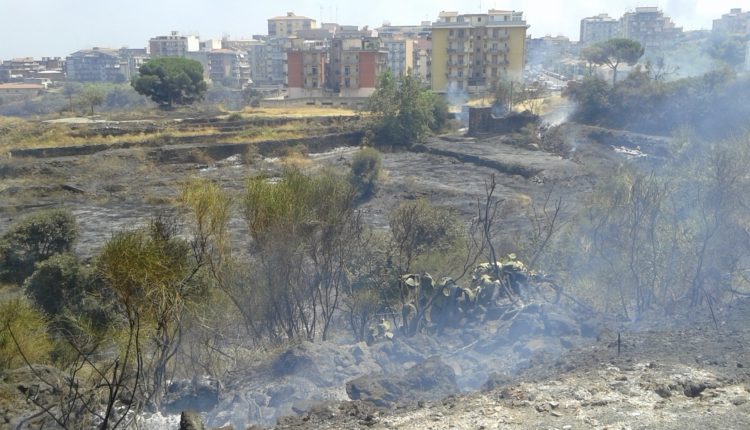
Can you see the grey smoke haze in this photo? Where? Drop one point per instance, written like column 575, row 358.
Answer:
column 59, row 27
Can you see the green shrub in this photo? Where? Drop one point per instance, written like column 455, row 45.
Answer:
column 56, row 284
column 33, row 239
column 366, row 167
column 20, row 321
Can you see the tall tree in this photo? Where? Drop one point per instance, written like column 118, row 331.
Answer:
column 405, row 109
column 171, row 81
column 92, row 96
column 614, row 52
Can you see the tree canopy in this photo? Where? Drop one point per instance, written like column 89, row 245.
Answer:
column 614, row 52
column 171, row 81
column 406, row 111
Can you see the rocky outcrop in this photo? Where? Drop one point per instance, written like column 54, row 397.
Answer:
column 430, row 380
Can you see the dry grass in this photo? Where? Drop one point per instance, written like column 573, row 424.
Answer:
column 298, row 111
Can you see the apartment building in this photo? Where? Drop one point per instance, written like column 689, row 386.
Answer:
column 400, row 55
column 307, row 68
column 599, row 28
column 471, row 51
column 25, row 68
column 412, row 31
column 173, row 45
column 95, row 65
column 356, row 63
column 650, row 27
column 423, row 59
column 131, row 61
column 289, row 24
column 735, row 22
column 229, row 67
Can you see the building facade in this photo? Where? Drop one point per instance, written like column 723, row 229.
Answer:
column 307, row 68
column 357, row 61
column 650, row 27
column 289, row 24
column 599, row 28
column 423, row 59
column 173, row 45
column 400, row 55
column 229, row 67
column 95, row 65
column 471, row 51
column 735, row 22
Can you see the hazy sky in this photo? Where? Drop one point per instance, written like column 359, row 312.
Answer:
column 59, row 27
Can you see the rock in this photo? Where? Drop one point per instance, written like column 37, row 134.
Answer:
column 191, row 421
column 296, row 360
column 430, row 380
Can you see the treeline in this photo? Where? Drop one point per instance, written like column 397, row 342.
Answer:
column 713, row 105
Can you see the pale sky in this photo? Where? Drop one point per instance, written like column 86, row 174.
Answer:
column 59, row 27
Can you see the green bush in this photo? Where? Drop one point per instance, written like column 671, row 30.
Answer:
column 366, row 167
column 20, row 321
column 56, row 284
column 34, row 239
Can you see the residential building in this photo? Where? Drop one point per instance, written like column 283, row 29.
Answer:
column 95, row 65
column 275, row 60
column 173, row 45
column 356, row 63
column 258, row 59
column 423, row 59
column 307, row 66
column 210, row 45
column 734, row 22
column 23, row 69
column 19, row 91
column 229, row 67
column 471, row 51
column 400, row 55
column 599, row 29
column 131, row 61
column 548, row 50
column 650, row 27
column 412, row 31
column 288, row 25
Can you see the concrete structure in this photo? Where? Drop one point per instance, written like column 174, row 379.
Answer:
column 173, row 45
column 288, row 25
column 734, row 22
column 471, row 51
column 548, row 51
column 411, row 31
column 210, row 45
column 19, row 91
column 275, row 52
column 131, row 61
column 423, row 59
column 599, row 29
column 25, row 68
column 95, row 65
column 306, row 68
column 650, row 27
column 229, row 67
column 400, row 55
column 356, row 63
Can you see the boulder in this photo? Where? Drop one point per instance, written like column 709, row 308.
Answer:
column 430, row 380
